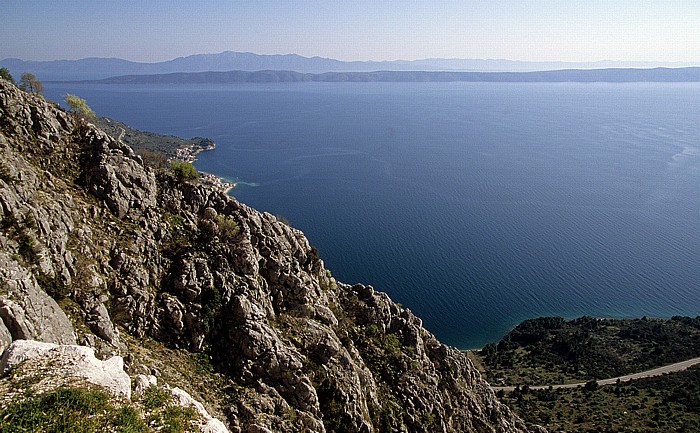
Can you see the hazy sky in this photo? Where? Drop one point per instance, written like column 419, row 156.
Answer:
column 149, row 30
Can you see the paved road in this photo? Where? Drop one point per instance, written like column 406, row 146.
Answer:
column 679, row 366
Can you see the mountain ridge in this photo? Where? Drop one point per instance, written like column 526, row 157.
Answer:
column 92, row 68
column 612, row 75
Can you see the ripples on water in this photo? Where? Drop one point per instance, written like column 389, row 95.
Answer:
column 477, row 205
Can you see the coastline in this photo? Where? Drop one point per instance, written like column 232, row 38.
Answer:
column 169, row 147
column 188, row 153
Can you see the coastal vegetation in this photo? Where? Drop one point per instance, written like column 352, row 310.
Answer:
column 665, row 403
column 155, row 149
column 551, row 350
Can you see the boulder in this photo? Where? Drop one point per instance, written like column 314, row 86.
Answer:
column 101, row 325
column 142, row 382
column 68, row 361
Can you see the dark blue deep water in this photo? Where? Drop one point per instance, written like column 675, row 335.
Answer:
column 477, row 205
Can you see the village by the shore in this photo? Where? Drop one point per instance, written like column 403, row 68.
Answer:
column 188, row 153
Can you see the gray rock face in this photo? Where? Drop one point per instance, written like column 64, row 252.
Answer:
column 27, row 311
column 5, row 337
column 125, row 247
column 99, row 322
column 116, row 175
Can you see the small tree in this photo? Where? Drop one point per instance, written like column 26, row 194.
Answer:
column 153, row 158
column 5, row 75
column 29, row 83
column 79, row 107
column 184, row 170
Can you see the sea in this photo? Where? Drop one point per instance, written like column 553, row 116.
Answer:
column 475, row 205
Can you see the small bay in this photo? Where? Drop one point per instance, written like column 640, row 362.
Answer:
column 476, row 205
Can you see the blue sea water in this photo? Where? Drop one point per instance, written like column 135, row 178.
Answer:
column 476, row 205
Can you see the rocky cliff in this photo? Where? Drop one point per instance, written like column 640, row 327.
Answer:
column 226, row 302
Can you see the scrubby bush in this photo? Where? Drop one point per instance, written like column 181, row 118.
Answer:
column 228, row 228
column 184, row 170
column 79, row 107
column 153, row 158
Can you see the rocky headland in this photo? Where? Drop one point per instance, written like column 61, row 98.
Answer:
column 172, row 282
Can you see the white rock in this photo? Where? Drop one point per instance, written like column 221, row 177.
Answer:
column 142, row 382
column 182, row 398
column 70, row 361
column 212, row 425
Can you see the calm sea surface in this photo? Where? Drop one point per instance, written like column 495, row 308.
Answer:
column 477, row 205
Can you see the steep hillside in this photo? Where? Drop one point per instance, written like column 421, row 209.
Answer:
column 214, row 297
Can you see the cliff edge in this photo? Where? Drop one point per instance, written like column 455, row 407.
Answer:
column 183, row 281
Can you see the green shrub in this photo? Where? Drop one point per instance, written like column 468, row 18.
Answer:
column 176, row 419
column 52, row 285
column 184, row 170
column 177, row 221
column 79, row 107
column 18, row 230
column 164, row 415
column 228, row 228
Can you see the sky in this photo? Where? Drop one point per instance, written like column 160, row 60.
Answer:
column 530, row 30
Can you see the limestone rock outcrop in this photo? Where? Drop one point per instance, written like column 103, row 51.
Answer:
column 68, row 361
column 130, row 251
column 47, row 366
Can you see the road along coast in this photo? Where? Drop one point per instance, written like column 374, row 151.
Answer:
column 671, row 368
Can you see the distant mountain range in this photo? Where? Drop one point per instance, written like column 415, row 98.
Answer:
column 617, row 75
column 99, row 68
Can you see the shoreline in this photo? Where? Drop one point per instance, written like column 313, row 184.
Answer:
column 189, row 152
column 170, row 147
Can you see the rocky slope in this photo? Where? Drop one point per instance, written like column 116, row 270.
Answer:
column 100, row 250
